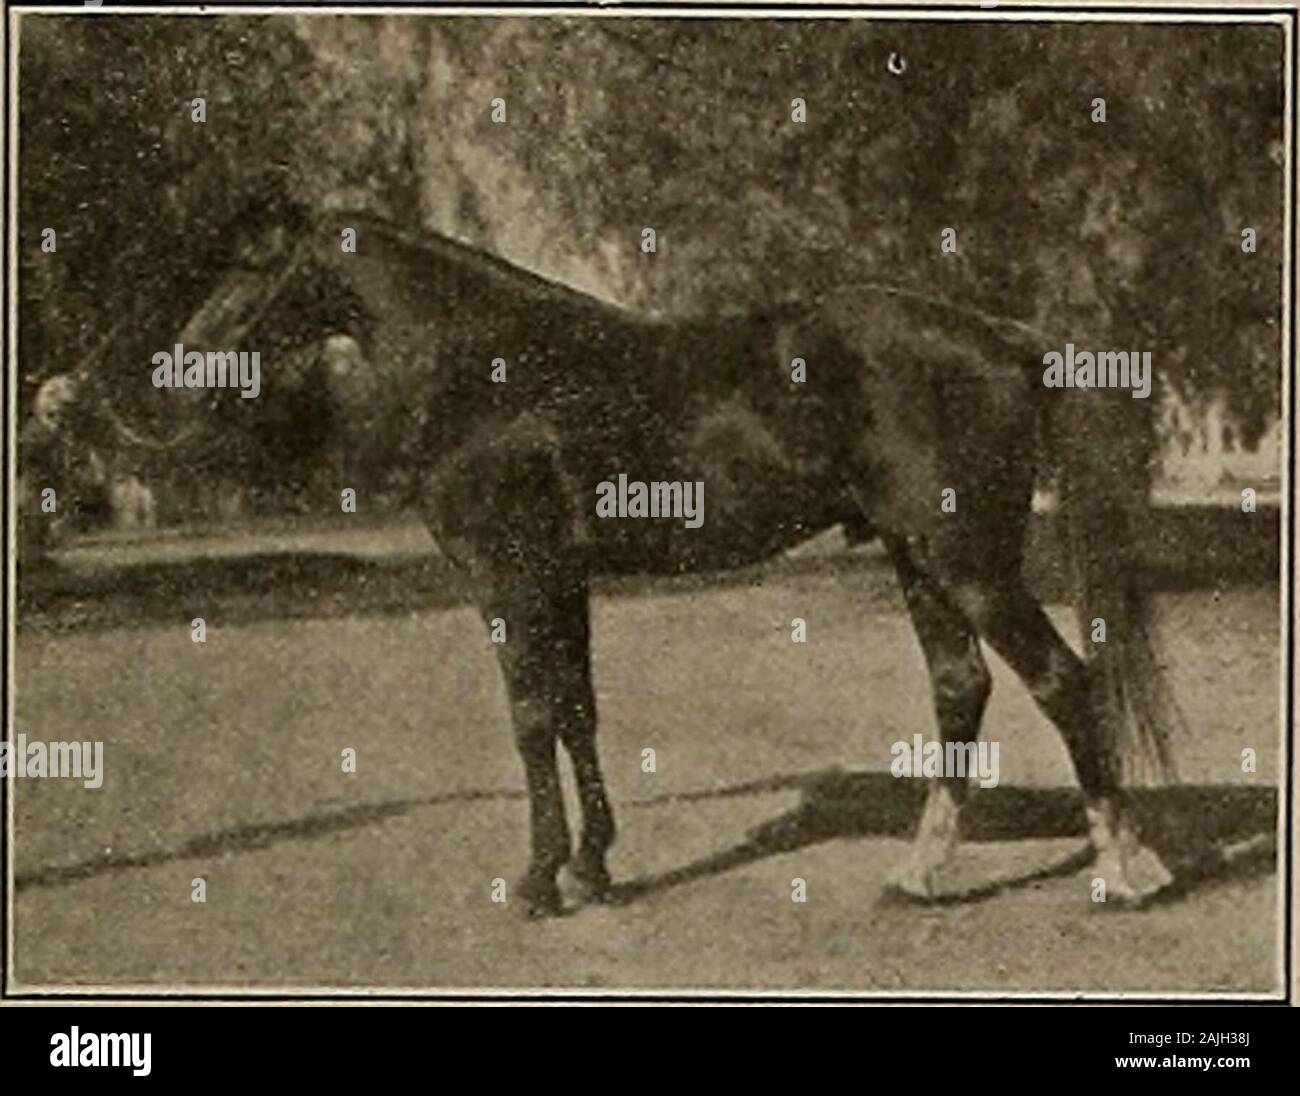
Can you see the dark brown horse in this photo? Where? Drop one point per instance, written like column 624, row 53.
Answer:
column 914, row 421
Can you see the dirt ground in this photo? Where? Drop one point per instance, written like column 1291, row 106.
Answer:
column 223, row 763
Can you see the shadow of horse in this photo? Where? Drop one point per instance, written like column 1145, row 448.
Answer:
column 1207, row 834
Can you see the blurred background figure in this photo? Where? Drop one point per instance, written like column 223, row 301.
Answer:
column 66, row 485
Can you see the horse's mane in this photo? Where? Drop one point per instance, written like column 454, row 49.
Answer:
column 436, row 247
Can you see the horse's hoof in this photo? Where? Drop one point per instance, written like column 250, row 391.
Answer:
column 1125, row 898
column 591, row 883
column 1132, row 881
column 540, row 897
column 915, row 883
column 1124, row 903
column 895, row 895
column 911, row 888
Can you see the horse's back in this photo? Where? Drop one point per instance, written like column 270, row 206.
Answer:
column 715, row 444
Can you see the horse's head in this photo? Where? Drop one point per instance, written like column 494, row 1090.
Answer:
column 278, row 291
column 293, row 283
column 282, row 291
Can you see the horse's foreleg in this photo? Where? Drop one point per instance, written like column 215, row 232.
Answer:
column 576, row 721
column 531, row 686
column 546, row 659
column 961, row 684
column 500, row 512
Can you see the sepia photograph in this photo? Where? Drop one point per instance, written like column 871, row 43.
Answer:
column 648, row 503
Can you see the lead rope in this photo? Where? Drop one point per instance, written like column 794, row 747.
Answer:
column 85, row 374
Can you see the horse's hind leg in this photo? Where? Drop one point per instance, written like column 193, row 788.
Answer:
column 1016, row 626
column 960, row 682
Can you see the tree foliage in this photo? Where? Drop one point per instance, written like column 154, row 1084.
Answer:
column 1129, row 228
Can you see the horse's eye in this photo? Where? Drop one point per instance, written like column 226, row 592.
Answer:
column 897, row 64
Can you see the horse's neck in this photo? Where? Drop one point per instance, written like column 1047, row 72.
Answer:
column 393, row 291
column 396, row 275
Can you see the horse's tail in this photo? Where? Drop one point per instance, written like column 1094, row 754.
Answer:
column 1105, row 439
